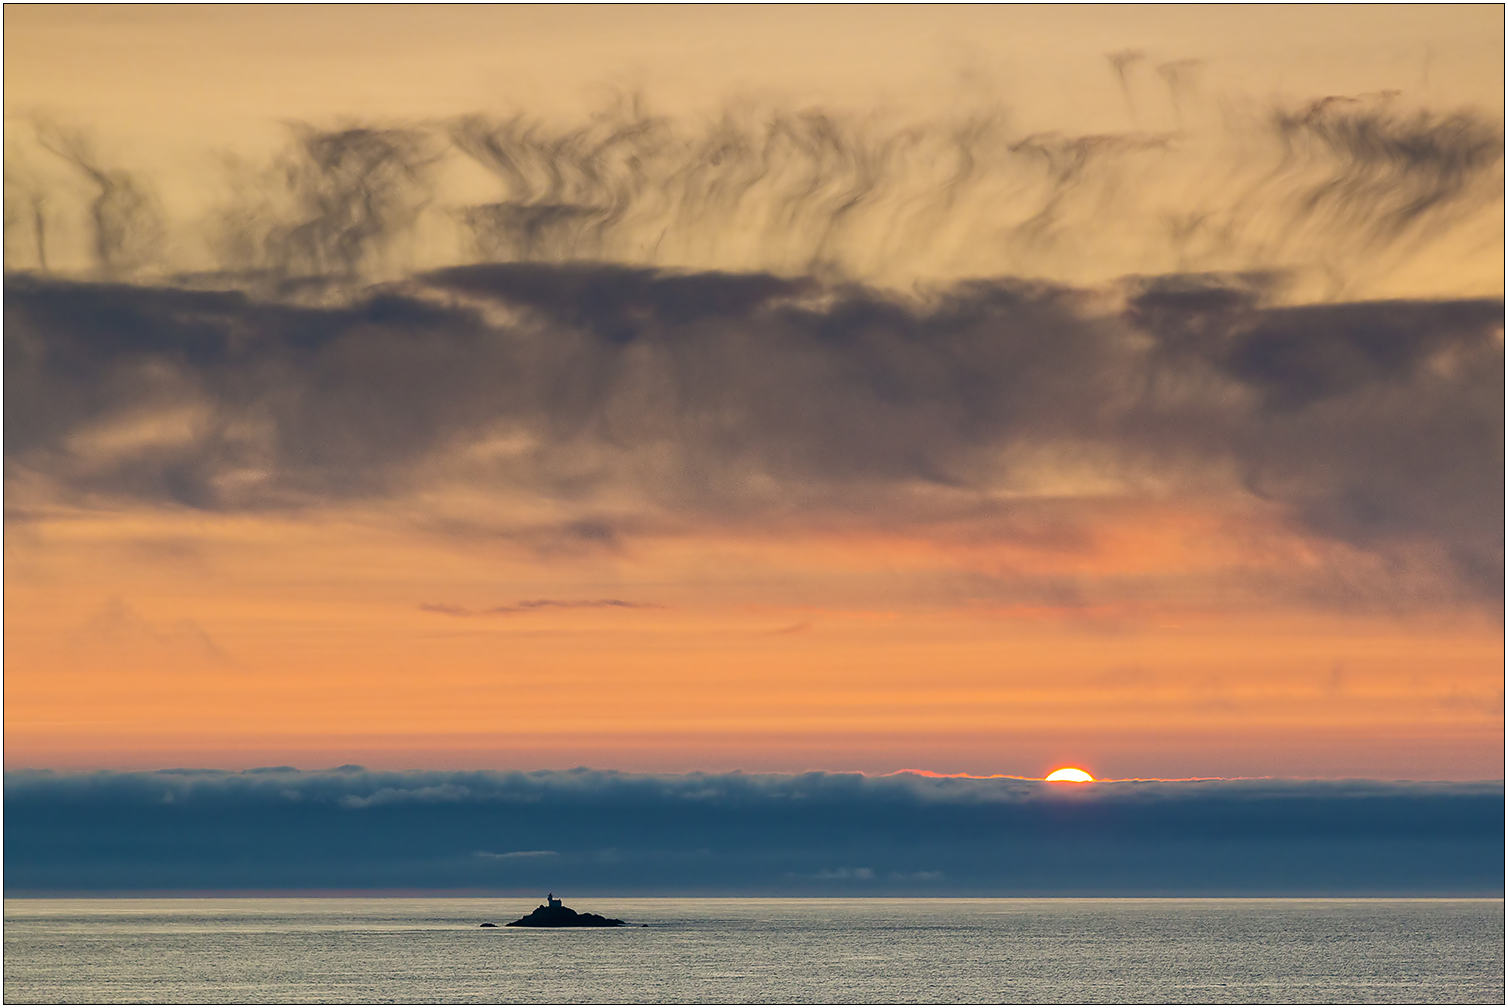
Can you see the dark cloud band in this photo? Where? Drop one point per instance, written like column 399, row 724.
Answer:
column 635, row 400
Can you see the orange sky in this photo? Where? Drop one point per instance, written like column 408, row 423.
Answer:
column 234, row 639
column 1078, row 613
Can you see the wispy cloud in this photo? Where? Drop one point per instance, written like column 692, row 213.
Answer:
column 1363, row 184
column 533, row 605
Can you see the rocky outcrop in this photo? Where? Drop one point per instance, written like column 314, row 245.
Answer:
column 555, row 915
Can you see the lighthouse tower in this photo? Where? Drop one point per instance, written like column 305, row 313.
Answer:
column 551, row 900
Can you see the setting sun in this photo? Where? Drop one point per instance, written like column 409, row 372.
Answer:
column 1069, row 774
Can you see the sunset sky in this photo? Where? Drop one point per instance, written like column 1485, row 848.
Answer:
column 970, row 389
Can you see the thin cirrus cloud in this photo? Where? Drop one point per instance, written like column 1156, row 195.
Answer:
column 817, row 833
column 1366, row 183
column 535, row 605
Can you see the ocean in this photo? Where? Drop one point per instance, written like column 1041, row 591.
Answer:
column 431, row 950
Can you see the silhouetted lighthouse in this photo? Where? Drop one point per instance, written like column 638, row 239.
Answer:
column 551, row 900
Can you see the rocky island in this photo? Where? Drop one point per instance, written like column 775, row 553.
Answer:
column 554, row 914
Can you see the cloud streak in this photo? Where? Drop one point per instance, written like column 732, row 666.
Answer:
column 534, row 605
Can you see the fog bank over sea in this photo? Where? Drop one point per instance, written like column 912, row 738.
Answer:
column 829, row 834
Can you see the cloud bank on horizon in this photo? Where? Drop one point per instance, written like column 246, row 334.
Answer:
column 815, row 834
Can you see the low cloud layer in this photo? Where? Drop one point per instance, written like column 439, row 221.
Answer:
column 816, row 833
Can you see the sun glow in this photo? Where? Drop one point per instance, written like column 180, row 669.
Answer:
column 1069, row 774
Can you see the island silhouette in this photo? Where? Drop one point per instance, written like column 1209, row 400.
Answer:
column 552, row 913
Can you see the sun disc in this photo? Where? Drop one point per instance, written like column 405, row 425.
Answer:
column 1069, row 774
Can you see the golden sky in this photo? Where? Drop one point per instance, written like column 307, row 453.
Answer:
column 1008, row 414
column 171, row 72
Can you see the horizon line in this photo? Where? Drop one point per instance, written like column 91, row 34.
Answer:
column 914, row 771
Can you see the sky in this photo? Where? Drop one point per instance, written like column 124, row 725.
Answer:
column 970, row 389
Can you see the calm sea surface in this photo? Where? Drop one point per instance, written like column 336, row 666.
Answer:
column 755, row 950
